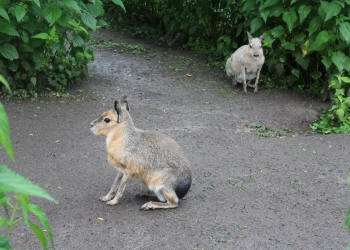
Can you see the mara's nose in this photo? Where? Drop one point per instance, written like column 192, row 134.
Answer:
column 91, row 125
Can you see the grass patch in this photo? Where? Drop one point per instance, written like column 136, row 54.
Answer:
column 263, row 131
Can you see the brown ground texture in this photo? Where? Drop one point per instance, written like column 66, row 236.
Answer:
column 248, row 192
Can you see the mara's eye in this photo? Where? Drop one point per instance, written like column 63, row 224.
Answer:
column 107, row 120
column 250, row 46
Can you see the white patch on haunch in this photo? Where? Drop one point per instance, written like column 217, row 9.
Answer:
column 155, row 190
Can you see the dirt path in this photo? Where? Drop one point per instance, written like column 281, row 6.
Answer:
column 248, row 192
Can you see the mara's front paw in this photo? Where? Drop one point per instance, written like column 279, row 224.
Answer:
column 105, row 198
column 112, row 202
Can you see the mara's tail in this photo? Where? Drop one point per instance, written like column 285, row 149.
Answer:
column 182, row 188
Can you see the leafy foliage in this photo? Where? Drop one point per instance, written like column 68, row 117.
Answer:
column 42, row 43
column 263, row 131
column 12, row 182
column 337, row 118
column 306, row 42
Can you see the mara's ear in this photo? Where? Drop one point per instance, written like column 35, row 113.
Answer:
column 249, row 36
column 262, row 36
column 124, row 102
column 118, row 112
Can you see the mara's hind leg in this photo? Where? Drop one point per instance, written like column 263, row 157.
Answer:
column 234, row 83
column 165, row 194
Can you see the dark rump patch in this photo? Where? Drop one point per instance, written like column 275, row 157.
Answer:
column 182, row 188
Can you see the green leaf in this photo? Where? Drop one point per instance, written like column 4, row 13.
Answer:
column 293, row 1
column 316, row 75
column 79, row 55
column 24, row 200
column 4, row 244
column 314, row 25
column 279, row 68
column 38, row 59
column 295, row 72
column 303, row 12
column 322, row 38
column 345, row 79
column 3, row 81
column 24, row 36
column 8, row 29
column 278, row 31
column 40, row 215
column 89, row 20
column 37, row 11
column 25, row 48
column 327, row 61
column 10, row 181
column 290, row 17
column 255, row 24
column 3, row 201
column 4, row 2
column 345, row 31
column 95, row 10
column 37, row 2
column 339, row 58
column 52, row 13
column 72, row 5
column 268, row 39
column 20, row 12
column 33, row 80
column 269, row 3
column 44, row 36
column 119, row 3
column 9, row 51
column 289, row 45
column 264, row 13
column 4, row 14
column 340, row 113
column 2, row 222
column 39, row 234
column 331, row 9
column 248, row 5
column 302, row 61
column 78, row 41
column 298, row 38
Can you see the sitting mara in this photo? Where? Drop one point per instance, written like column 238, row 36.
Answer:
column 154, row 158
column 246, row 62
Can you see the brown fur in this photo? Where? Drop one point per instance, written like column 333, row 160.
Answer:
column 154, row 158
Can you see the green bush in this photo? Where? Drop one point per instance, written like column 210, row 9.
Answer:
column 12, row 182
column 43, row 43
column 337, row 118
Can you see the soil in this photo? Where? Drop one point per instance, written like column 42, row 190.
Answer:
column 248, row 192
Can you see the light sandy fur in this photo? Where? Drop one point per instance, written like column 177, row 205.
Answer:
column 246, row 62
column 152, row 157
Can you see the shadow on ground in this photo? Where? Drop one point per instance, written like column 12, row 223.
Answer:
column 248, row 192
